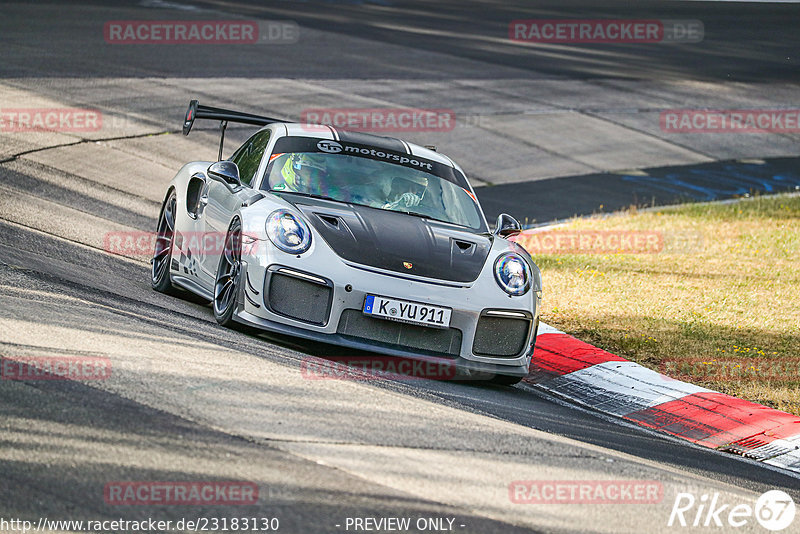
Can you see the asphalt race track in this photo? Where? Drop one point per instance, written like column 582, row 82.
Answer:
column 544, row 131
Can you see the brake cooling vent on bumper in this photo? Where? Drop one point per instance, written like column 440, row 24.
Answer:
column 403, row 336
column 299, row 296
column 501, row 334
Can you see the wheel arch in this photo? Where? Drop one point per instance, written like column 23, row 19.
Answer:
column 171, row 189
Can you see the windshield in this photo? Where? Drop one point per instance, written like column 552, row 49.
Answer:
column 374, row 183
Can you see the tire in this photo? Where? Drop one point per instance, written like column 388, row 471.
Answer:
column 226, row 283
column 162, row 254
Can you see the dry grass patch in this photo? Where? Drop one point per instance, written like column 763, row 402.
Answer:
column 724, row 290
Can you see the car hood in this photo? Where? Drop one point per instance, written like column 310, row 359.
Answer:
column 396, row 241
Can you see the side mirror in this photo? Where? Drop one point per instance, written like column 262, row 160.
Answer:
column 226, row 172
column 507, row 226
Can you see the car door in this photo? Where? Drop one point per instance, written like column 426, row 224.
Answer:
column 222, row 201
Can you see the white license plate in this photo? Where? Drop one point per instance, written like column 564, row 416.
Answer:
column 407, row 312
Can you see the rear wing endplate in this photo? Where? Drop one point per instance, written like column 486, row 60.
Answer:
column 198, row 111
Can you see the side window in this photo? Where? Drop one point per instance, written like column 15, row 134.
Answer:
column 248, row 157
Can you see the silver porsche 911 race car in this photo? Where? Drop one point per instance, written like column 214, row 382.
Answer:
column 348, row 238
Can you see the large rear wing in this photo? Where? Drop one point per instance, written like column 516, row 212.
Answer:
column 224, row 116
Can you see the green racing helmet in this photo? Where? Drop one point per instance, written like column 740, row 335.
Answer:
column 303, row 171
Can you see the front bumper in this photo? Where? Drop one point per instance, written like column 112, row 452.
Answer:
column 348, row 285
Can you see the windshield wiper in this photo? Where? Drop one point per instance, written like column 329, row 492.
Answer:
column 416, row 214
column 423, row 216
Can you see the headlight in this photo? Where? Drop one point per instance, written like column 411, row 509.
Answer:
column 513, row 274
column 287, row 232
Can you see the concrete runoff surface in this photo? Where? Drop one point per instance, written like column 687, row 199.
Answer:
column 522, row 112
column 188, row 400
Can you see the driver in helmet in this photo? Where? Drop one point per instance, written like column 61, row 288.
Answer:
column 406, row 192
column 304, row 173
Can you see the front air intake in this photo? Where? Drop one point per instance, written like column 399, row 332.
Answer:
column 441, row 342
column 299, row 296
column 501, row 334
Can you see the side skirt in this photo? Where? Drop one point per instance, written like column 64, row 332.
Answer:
column 191, row 285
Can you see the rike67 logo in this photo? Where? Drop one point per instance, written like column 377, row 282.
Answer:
column 774, row 510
